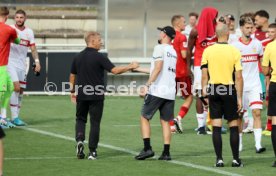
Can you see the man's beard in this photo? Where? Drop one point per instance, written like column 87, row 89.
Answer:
column 20, row 25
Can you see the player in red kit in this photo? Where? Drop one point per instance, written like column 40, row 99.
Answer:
column 183, row 80
column 202, row 36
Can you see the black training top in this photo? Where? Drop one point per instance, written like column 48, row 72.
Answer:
column 89, row 66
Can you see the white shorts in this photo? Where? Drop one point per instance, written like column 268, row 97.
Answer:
column 197, row 79
column 253, row 99
column 18, row 75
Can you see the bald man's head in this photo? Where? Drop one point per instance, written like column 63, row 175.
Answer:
column 222, row 30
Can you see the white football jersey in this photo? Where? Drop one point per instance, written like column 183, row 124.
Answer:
column 18, row 53
column 251, row 54
column 164, row 85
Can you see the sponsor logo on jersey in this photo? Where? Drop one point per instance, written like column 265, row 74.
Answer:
column 250, row 58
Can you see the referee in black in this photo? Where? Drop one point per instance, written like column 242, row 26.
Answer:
column 219, row 62
column 87, row 89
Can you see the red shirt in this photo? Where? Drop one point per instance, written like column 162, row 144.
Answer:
column 7, row 36
column 180, row 44
column 200, row 47
column 262, row 36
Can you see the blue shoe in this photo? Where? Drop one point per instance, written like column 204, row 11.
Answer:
column 7, row 123
column 18, row 122
column 4, row 127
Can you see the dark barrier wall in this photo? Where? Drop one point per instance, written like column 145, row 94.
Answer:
column 36, row 83
column 55, row 68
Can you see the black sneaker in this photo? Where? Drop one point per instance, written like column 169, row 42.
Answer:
column 80, row 149
column 201, row 131
column 219, row 163
column 237, row 163
column 274, row 164
column 165, row 156
column 261, row 150
column 144, row 154
column 92, row 155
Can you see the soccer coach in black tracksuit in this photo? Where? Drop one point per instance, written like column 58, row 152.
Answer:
column 87, row 83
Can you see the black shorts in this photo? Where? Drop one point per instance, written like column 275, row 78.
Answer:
column 223, row 104
column 153, row 103
column 272, row 99
column 2, row 134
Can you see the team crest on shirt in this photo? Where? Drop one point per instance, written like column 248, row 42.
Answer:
column 254, row 50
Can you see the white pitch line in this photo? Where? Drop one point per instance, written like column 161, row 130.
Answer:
column 39, row 158
column 205, row 168
column 152, row 125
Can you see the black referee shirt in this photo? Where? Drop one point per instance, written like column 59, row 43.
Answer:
column 89, row 66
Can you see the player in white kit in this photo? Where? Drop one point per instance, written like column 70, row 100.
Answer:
column 251, row 51
column 17, row 65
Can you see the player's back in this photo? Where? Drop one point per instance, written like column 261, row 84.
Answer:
column 251, row 53
column 7, row 35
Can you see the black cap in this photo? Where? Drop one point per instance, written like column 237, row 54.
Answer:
column 230, row 17
column 168, row 30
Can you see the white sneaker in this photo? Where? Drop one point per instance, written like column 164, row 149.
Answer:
column 178, row 125
column 248, row 130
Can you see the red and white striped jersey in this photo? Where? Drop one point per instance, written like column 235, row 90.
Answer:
column 18, row 53
column 251, row 54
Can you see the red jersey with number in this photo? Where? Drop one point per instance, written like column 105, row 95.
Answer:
column 200, row 47
column 7, row 35
column 180, row 44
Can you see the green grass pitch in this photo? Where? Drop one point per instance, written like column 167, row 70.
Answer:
column 47, row 146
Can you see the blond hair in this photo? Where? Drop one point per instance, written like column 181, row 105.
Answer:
column 90, row 35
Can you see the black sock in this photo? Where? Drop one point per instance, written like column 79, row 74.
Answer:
column 166, row 149
column 235, row 141
column 217, row 142
column 147, row 144
column 273, row 138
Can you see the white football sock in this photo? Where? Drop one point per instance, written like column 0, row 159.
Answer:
column 201, row 120
column 258, row 137
column 14, row 104
column 3, row 112
column 240, row 145
column 20, row 97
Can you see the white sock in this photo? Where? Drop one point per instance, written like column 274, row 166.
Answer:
column 178, row 118
column 14, row 104
column 4, row 113
column 258, row 137
column 201, row 120
column 240, row 145
column 20, row 97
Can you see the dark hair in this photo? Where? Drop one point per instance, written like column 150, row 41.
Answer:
column 272, row 25
column 20, row 11
column 176, row 17
column 262, row 13
column 193, row 14
column 245, row 20
column 4, row 11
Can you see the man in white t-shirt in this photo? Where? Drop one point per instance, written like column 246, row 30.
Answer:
column 251, row 51
column 159, row 93
column 17, row 66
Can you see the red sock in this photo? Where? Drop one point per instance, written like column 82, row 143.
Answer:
column 183, row 111
column 171, row 123
column 269, row 125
